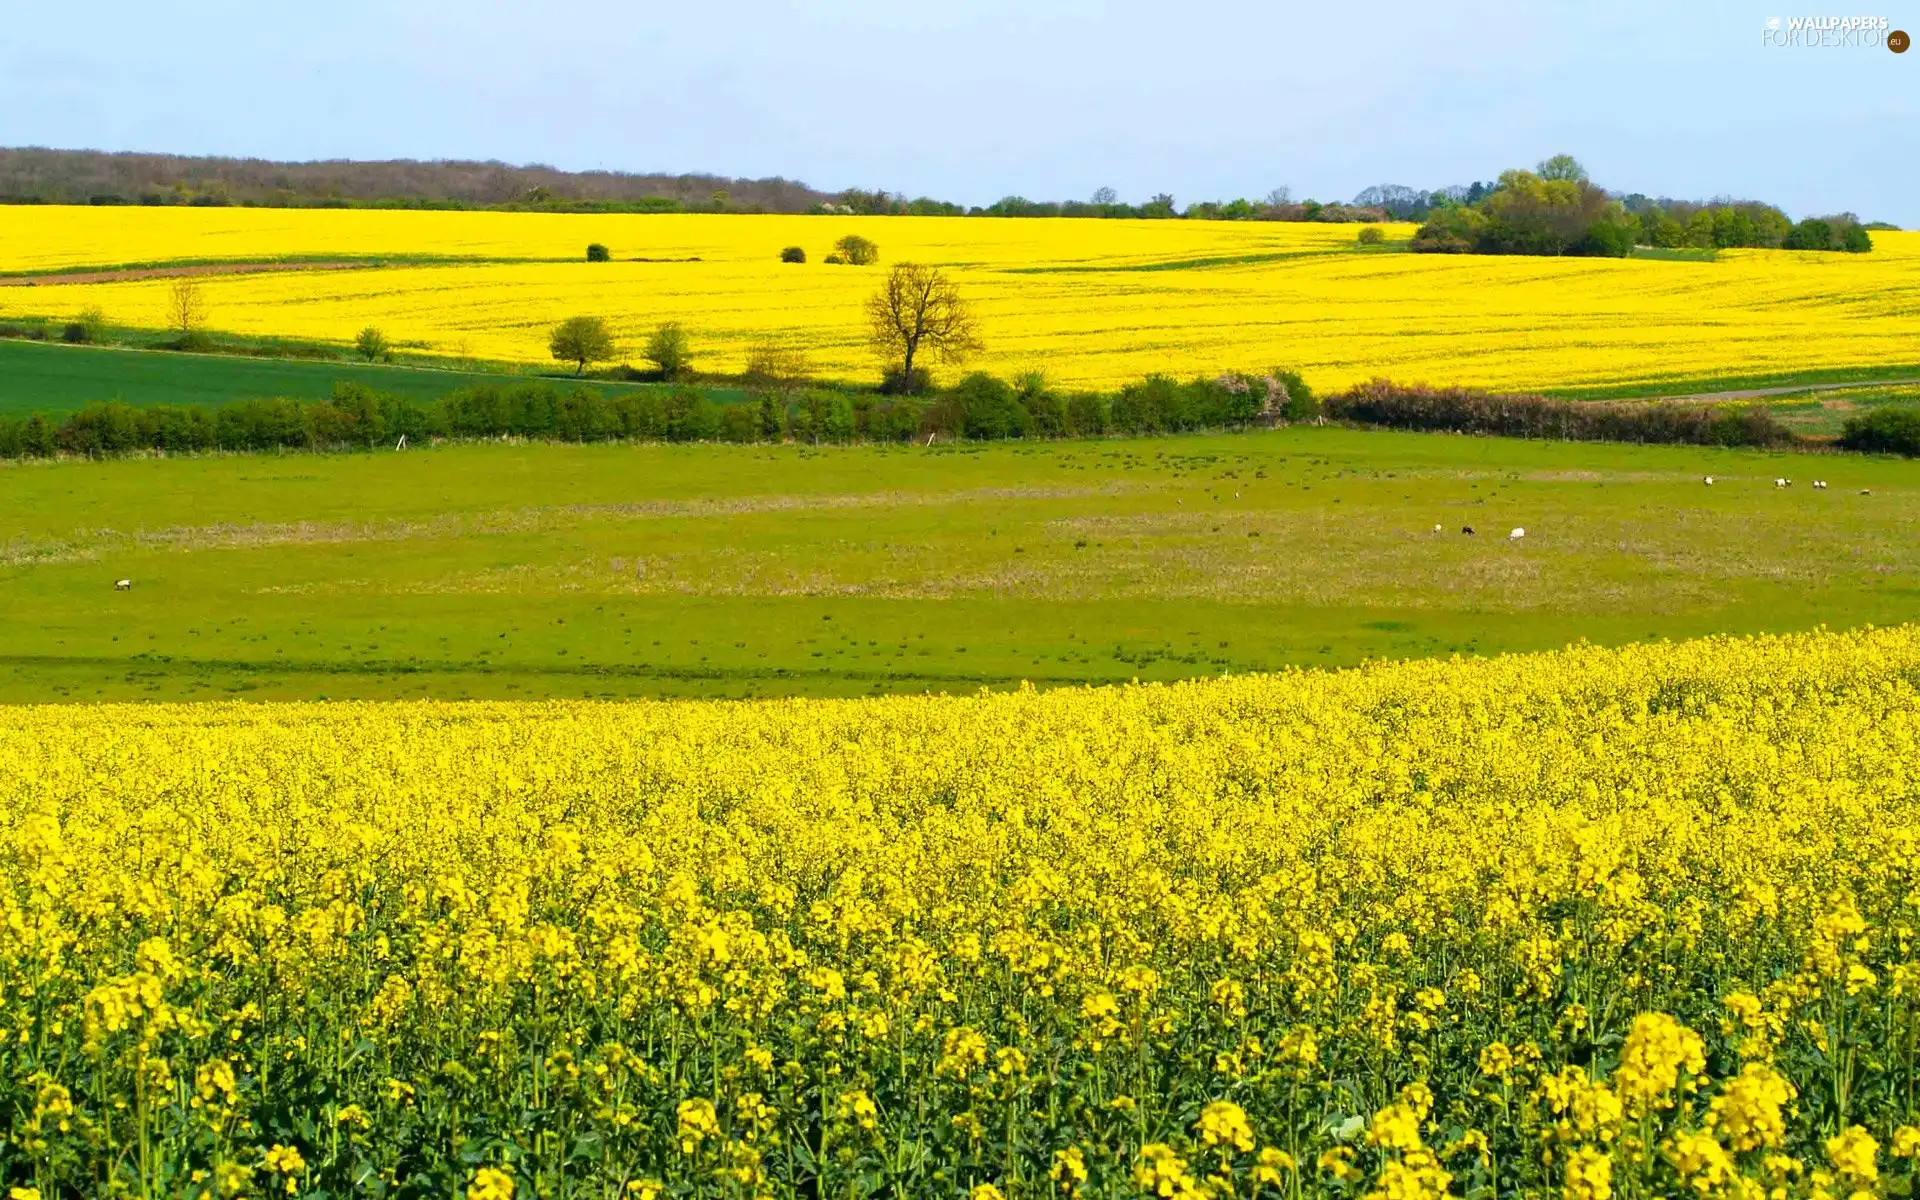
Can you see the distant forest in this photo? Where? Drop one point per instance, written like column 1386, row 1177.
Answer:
column 39, row 176
column 1451, row 216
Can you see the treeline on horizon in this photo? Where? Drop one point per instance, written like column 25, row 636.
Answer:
column 979, row 408
column 1556, row 209
column 42, row 176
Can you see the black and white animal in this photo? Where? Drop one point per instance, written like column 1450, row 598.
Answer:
column 123, row 585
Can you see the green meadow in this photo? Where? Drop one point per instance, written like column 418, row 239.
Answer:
column 519, row 570
column 56, row 379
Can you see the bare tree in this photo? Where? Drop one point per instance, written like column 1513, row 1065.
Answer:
column 186, row 306
column 1106, row 196
column 1280, row 197
column 920, row 307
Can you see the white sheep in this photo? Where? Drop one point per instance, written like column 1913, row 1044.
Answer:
column 1436, row 528
column 123, row 585
column 1779, row 483
column 1820, row 483
column 1709, row 481
column 1517, row 534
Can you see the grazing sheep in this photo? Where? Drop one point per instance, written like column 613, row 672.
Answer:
column 1820, row 483
column 1436, row 528
column 1779, row 483
column 1709, row 481
column 123, row 585
column 1517, row 534
column 1467, row 529
column 1865, row 492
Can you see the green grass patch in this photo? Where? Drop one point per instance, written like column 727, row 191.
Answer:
column 1676, row 253
column 1708, row 384
column 498, row 570
column 53, row 378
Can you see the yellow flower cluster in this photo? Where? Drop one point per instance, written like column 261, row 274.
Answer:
column 1635, row 922
column 1095, row 303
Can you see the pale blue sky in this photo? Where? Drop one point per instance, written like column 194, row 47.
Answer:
column 974, row 99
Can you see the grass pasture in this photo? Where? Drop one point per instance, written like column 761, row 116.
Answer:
column 54, row 379
column 509, row 570
column 1824, row 413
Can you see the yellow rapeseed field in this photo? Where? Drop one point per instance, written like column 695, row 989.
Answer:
column 1093, row 303
column 1597, row 923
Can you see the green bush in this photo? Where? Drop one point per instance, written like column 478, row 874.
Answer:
column 740, row 423
column 1605, row 239
column 1372, row 235
column 1087, row 414
column 822, row 416
column 690, row 416
column 1884, row 431
column 857, row 251
column 793, row 254
column 1450, row 229
column 1046, row 411
column 900, row 419
column 895, row 383
column 372, row 345
column 670, row 350
column 1301, row 404
column 988, row 409
column 598, row 253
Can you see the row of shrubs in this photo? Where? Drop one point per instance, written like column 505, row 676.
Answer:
column 979, row 407
column 1886, row 430
column 1469, row 410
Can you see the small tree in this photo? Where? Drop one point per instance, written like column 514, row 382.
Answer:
column 94, row 321
column 1371, row 235
column 372, row 344
column 581, row 340
column 857, row 250
column 186, row 308
column 919, row 307
column 793, row 254
column 670, row 350
column 598, row 253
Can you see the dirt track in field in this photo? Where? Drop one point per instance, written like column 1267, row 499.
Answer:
column 242, row 268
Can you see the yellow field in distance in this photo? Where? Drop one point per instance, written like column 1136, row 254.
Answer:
column 1092, row 303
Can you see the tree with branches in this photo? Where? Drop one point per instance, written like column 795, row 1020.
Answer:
column 186, row 307
column 581, row 340
column 919, row 308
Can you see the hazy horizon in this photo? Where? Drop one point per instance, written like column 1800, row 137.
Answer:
column 992, row 98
